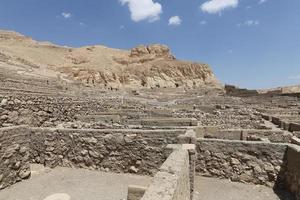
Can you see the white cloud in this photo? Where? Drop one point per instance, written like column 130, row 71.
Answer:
column 262, row 1
column 175, row 21
column 143, row 10
column 249, row 23
column 66, row 15
column 216, row 6
column 203, row 22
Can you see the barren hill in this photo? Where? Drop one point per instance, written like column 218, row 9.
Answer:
column 99, row 66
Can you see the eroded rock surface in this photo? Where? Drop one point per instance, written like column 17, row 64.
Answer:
column 98, row 66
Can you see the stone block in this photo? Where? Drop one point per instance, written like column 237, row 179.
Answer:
column 266, row 117
column 293, row 169
column 294, row 127
column 172, row 182
column 275, row 120
column 135, row 192
column 183, row 139
column 295, row 140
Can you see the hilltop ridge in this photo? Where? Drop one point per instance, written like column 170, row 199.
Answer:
column 102, row 67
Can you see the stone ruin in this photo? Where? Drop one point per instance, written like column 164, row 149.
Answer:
column 138, row 125
column 253, row 139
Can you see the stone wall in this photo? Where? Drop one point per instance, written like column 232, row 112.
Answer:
column 251, row 162
column 271, row 135
column 293, row 170
column 294, row 127
column 14, row 155
column 286, row 122
column 247, row 135
column 230, row 134
column 172, row 181
column 39, row 111
column 49, row 111
column 235, row 91
column 167, row 121
column 125, row 151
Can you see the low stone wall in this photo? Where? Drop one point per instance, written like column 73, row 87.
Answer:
column 297, row 134
column 49, row 111
column 126, row 151
column 248, row 135
column 235, row 91
column 287, row 122
column 14, row 155
column 251, row 162
column 224, row 134
column 165, row 122
column 266, row 117
column 276, row 120
column 271, row 135
column 279, row 111
column 172, row 181
column 96, row 118
column 294, row 127
column 293, row 170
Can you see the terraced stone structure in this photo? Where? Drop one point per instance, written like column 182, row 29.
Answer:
column 134, row 136
column 75, row 139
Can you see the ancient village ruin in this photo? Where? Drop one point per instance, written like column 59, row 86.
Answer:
column 158, row 130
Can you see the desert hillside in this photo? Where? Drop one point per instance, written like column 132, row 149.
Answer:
column 99, row 66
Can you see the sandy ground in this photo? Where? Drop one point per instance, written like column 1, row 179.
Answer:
column 73, row 184
column 216, row 189
column 81, row 184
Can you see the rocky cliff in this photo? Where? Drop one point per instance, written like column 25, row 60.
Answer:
column 99, row 66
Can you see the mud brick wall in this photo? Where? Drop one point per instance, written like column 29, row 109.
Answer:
column 293, row 170
column 14, row 155
column 240, row 161
column 124, row 151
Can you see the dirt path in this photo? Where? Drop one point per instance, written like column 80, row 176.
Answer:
column 216, row 189
column 73, row 184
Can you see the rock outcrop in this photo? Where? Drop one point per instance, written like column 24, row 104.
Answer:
column 141, row 67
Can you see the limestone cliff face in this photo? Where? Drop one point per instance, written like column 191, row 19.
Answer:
column 99, row 66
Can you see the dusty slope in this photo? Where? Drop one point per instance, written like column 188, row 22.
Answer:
column 144, row 66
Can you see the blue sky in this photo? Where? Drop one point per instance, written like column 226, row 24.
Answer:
column 249, row 43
